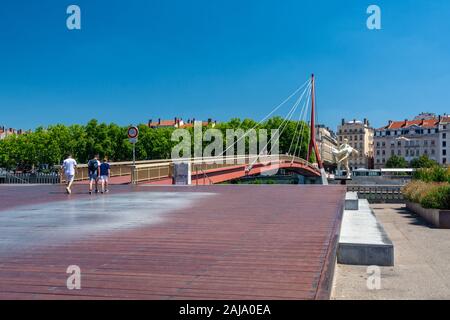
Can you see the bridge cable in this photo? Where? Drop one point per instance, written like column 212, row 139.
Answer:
column 303, row 127
column 300, row 120
column 284, row 124
column 268, row 115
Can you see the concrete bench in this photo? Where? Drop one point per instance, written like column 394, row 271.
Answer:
column 351, row 201
column 363, row 240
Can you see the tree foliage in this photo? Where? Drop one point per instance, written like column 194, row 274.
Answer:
column 50, row 145
column 423, row 162
column 397, row 162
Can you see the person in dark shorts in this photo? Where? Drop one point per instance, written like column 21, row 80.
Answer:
column 105, row 173
column 94, row 173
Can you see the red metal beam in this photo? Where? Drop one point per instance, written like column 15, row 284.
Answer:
column 312, row 138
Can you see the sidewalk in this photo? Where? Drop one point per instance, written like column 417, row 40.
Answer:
column 422, row 261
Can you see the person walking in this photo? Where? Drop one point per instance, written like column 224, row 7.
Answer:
column 94, row 173
column 68, row 166
column 105, row 173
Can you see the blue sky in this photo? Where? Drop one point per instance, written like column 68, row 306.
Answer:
column 135, row 60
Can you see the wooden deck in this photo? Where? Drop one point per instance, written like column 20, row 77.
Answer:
column 206, row 242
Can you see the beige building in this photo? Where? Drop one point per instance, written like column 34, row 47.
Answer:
column 360, row 137
column 4, row 132
column 326, row 140
column 179, row 123
column 444, row 136
column 426, row 135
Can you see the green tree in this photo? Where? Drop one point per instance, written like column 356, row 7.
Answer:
column 51, row 145
column 423, row 162
column 396, row 162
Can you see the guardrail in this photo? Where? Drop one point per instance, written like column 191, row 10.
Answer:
column 29, row 178
column 164, row 170
column 378, row 193
column 150, row 170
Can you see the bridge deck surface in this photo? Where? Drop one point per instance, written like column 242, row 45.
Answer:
column 161, row 242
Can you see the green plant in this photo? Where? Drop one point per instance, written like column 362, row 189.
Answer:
column 433, row 174
column 437, row 198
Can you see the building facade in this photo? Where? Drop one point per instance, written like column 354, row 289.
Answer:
column 179, row 123
column 326, row 140
column 426, row 135
column 4, row 132
column 444, row 136
column 360, row 136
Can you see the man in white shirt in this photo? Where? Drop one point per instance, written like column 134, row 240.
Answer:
column 69, row 166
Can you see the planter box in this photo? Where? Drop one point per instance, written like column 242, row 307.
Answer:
column 438, row 218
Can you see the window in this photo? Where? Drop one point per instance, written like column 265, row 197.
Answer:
column 399, row 143
column 432, row 151
column 417, row 153
column 444, row 160
column 378, row 143
column 399, row 152
column 378, row 152
column 444, row 152
column 444, row 144
column 444, row 136
column 392, row 152
column 384, row 152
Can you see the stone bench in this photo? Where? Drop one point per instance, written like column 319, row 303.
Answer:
column 351, row 201
column 363, row 240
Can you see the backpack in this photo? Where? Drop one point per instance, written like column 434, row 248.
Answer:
column 93, row 165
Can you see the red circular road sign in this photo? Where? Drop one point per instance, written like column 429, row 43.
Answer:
column 133, row 132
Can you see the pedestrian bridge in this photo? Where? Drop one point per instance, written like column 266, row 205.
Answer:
column 206, row 170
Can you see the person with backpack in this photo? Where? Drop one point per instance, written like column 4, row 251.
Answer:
column 94, row 173
column 105, row 173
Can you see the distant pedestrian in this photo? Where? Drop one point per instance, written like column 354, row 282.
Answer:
column 94, row 173
column 105, row 173
column 68, row 167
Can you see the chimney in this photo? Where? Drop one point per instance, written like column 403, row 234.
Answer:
column 343, row 121
column 365, row 121
column 159, row 120
column 209, row 120
column 439, row 118
column 149, row 122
